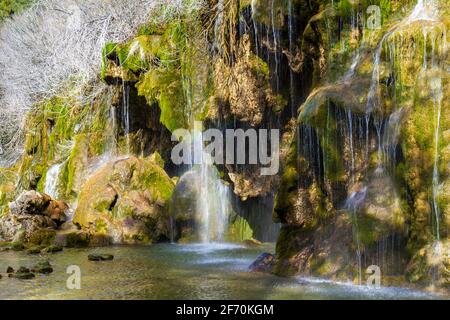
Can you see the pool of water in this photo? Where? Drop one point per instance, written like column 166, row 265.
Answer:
column 171, row 271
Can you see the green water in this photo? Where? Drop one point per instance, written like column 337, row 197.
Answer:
column 170, row 271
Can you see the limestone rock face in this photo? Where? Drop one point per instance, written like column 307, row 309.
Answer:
column 127, row 200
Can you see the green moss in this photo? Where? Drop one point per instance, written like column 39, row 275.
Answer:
column 239, row 230
column 153, row 177
column 42, row 237
column 322, row 267
column 11, row 7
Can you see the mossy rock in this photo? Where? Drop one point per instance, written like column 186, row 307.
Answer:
column 42, row 237
column 127, row 200
column 35, row 249
column 52, row 249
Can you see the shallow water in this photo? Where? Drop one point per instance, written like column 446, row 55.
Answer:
column 171, row 271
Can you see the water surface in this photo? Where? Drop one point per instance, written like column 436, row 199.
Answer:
column 172, row 271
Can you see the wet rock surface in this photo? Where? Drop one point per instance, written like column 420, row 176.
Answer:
column 100, row 257
column 264, row 263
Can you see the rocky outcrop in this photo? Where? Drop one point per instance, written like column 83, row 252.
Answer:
column 359, row 173
column 126, row 200
column 33, row 217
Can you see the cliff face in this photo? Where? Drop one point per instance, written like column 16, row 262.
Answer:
column 356, row 191
column 364, row 122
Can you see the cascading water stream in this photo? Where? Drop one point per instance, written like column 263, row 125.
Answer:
column 353, row 202
column 126, row 114
column 275, row 45
column 52, row 180
column 436, row 86
column 213, row 198
column 387, row 132
column 424, row 10
column 291, row 51
column 219, row 21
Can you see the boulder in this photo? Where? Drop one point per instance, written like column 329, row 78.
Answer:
column 33, row 217
column 264, row 263
column 184, row 207
column 30, row 203
column 21, row 227
column 126, row 201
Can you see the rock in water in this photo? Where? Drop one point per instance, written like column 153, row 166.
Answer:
column 35, row 250
column 9, row 270
column 22, row 274
column 100, row 257
column 264, row 263
column 23, row 270
column 43, row 267
column 52, row 249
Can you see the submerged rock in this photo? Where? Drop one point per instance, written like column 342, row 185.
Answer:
column 100, row 257
column 52, row 249
column 264, row 263
column 9, row 270
column 43, row 267
column 22, row 276
column 35, row 250
column 23, row 270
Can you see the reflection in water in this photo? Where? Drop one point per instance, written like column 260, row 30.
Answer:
column 171, row 271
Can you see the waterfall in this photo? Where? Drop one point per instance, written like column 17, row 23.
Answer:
column 126, row 114
column 436, row 86
column 351, row 72
column 352, row 203
column 218, row 25
column 52, row 180
column 213, row 197
column 424, row 10
column 391, row 137
column 291, row 52
column 255, row 26
column 275, row 44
